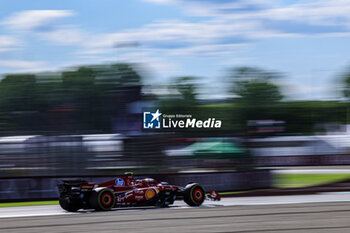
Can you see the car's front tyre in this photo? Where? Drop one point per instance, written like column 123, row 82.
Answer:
column 194, row 194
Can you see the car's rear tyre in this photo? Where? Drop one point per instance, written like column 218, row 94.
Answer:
column 194, row 194
column 102, row 199
column 69, row 204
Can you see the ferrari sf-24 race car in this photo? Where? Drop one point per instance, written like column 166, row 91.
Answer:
column 127, row 191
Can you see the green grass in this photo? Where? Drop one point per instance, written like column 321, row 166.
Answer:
column 239, row 192
column 299, row 181
column 30, row 203
column 306, row 180
column 233, row 192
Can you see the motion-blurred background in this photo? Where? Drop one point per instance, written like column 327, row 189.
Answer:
column 76, row 77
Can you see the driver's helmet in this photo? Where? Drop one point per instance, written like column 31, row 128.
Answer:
column 129, row 178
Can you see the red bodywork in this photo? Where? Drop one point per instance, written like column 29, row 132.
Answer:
column 128, row 190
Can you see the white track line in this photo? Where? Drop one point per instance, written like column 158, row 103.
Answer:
column 29, row 211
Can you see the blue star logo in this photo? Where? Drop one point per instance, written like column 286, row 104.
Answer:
column 152, row 120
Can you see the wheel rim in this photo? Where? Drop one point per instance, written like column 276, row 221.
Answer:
column 198, row 194
column 106, row 199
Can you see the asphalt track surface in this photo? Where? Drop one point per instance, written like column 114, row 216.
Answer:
column 328, row 212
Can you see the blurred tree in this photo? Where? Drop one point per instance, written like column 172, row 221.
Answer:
column 182, row 95
column 346, row 85
column 127, row 75
column 99, row 93
column 88, row 98
column 82, row 79
column 17, row 93
column 73, row 109
column 346, row 92
column 253, row 87
column 116, row 86
column 18, row 102
column 110, row 77
column 186, row 87
column 256, row 96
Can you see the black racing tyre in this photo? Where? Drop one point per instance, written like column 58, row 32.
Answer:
column 194, row 194
column 102, row 199
column 69, row 204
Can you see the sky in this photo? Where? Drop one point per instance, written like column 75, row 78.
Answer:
column 306, row 41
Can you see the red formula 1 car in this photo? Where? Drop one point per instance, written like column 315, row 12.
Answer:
column 127, row 191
